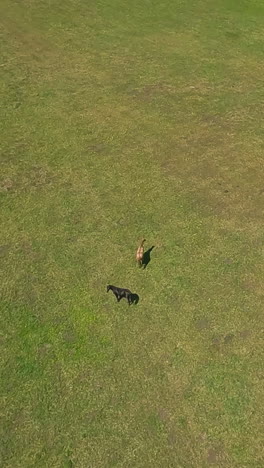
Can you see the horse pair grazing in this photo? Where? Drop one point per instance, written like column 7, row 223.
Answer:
column 126, row 293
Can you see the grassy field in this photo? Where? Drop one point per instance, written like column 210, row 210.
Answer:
column 121, row 120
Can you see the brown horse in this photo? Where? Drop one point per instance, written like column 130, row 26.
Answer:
column 140, row 253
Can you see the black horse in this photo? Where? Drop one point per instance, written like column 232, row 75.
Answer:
column 123, row 293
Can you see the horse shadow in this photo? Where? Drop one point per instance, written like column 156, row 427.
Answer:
column 146, row 257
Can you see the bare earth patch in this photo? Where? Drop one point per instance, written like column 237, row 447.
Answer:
column 229, row 338
column 244, row 334
column 6, row 185
column 203, row 324
column 44, row 349
column 215, row 456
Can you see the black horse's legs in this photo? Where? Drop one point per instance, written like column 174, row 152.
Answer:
column 117, row 296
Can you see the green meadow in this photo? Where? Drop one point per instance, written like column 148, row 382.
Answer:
column 122, row 120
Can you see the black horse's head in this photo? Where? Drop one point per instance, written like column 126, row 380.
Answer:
column 134, row 298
